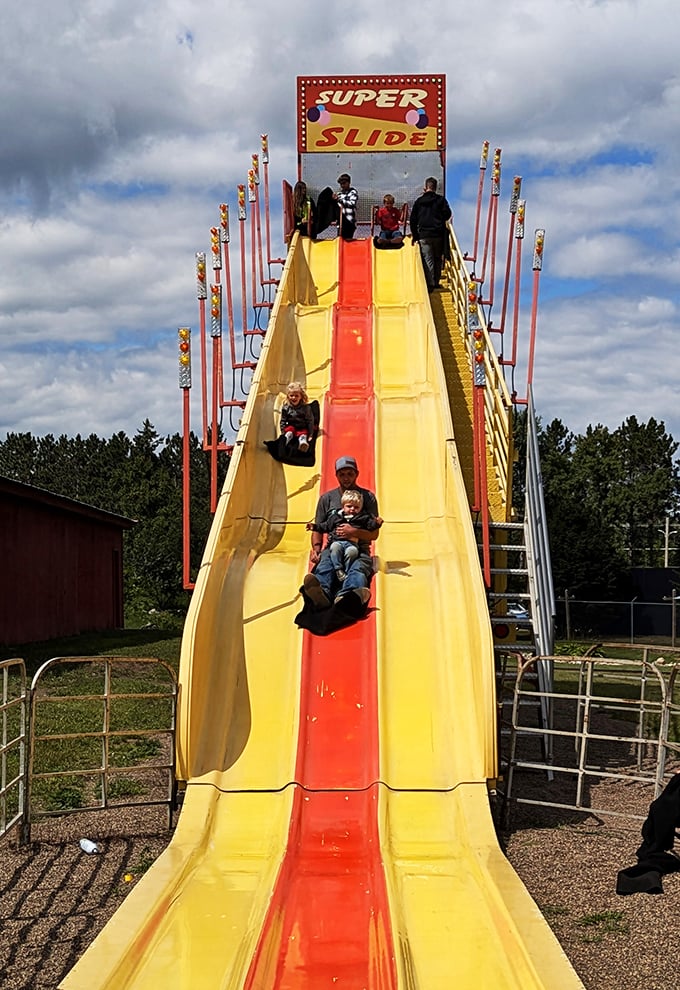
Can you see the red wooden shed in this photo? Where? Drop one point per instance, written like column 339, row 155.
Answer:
column 62, row 565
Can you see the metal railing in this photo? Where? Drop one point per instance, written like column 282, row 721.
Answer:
column 112, row 762
column 537, row 543
column 13, row 726
column 619, row 723
column 497, row 401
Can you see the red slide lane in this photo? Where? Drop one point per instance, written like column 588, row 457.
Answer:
column 328, row 921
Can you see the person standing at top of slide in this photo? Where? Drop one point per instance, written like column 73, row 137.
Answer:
column 428, row 221
column 347, row 199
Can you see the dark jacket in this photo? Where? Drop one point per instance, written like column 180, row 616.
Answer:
column 330, row 503
column 362, row 520
column 298, row 417
column 429, row 215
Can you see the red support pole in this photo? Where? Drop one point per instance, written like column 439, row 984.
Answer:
column 241, row 227
column 258, row 223
column 264, row 153
column 184, row 340
column 514, row 202
column 236, row 365
column 216, row 353
column 186, row 494
column 265, row 172
column 216, row 235
column 256, row 242
column 481, row 503
column 486, row 540
column 202, row 291
column 515, row 310
column 492, row 269
column 539, row 240
column 476, row 440
column 214, row 429
column 487, row 236
column 230, row 305
column 482, row 174
column 253, row 245
column 493, row 216
column 519, row 236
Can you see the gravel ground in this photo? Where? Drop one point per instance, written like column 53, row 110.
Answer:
column 569, row 866
column 55, row 898
column 569, row 860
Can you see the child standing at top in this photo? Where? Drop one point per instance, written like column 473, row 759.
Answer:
column 304, row 210
column 389, row 218
column 297, row 420
column 347, row 199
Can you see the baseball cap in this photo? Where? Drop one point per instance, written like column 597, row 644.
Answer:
column 344, row 176
column 346, row 462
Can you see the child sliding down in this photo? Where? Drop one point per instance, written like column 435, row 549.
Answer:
column 297, row 421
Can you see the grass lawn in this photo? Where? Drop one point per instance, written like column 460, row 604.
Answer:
column 71, row 703
column 72, row 706
column 161, row 639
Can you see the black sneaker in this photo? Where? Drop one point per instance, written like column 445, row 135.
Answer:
column 314, row 591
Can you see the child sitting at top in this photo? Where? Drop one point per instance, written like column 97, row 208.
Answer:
column 389, row 218
column 344, row 550
column 297, row 421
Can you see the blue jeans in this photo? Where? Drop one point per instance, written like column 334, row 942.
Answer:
column 343, row 554
column 359, row 575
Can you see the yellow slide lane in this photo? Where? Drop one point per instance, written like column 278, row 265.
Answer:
column 459, row 913
column 194, row 919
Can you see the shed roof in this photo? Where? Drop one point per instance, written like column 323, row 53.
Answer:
column 19, row 490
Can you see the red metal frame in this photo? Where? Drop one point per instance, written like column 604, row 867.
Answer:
column 532, row 332
column 492, row 229
column 483, row 481
column 212, row 406
column 516, row 188
column 482, row 175
column 265, row 173
column 218, row 399
column 188, row 584
column 515, row 310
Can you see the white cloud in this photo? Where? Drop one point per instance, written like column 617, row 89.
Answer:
column 604, row 358
column 125, row 125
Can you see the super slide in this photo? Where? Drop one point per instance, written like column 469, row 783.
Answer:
column 336, row 829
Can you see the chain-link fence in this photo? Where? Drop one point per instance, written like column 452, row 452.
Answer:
column 632, row 621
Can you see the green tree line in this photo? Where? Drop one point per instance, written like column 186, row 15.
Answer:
column 607, row 496
column 140, row 478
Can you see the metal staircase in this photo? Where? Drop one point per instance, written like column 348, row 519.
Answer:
column 521, row 575
column 510, row 588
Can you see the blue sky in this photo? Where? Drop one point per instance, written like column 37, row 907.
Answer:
column 125, row 125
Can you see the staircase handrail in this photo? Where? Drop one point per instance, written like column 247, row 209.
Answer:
column 537, row 542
